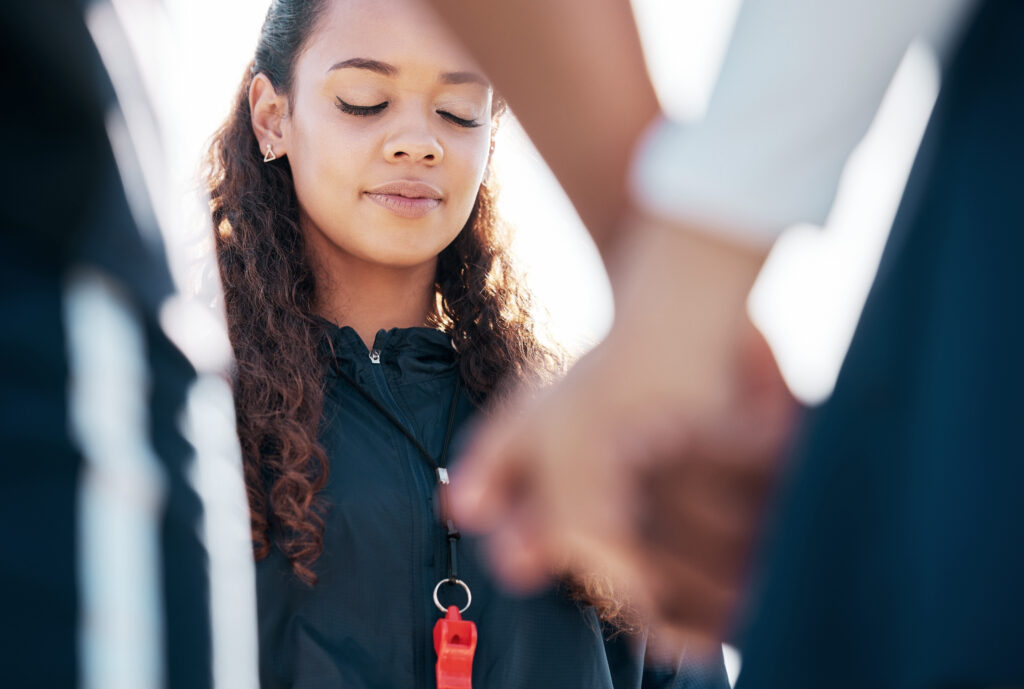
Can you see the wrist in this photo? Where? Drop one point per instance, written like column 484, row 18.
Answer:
column 687, row 287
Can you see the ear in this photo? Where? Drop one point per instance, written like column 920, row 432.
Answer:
column 268, row 110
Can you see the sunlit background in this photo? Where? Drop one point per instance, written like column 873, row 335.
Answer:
column 810, row 292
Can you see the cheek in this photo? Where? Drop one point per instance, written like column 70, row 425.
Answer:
column 469, row 166
column 330, row 152
column 325, row 162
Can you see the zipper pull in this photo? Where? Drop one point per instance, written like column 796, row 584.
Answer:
column 375, row 356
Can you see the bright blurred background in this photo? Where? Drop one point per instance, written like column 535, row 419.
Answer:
column 811, row 290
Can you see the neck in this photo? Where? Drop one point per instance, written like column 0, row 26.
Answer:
column 369, row 297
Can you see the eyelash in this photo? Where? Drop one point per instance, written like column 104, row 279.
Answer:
column 361, row 110
column 368, row 110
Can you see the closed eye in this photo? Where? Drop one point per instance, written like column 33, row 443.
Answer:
column 458, row 120
column 360, row 110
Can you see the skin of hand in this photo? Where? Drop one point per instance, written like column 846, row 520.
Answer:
column 651, row 461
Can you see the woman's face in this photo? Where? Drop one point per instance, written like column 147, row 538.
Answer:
column 388, row 134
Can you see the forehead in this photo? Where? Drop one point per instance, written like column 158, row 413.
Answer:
column 404, row 33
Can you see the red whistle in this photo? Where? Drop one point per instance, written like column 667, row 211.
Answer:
column 455, row 643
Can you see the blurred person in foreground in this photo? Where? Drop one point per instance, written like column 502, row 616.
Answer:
column 891, row 556
column 104, row 570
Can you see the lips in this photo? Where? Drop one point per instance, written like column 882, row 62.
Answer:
column 406, row 198
column 408, row 189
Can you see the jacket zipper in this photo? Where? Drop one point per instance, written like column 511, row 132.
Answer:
column 422, row 523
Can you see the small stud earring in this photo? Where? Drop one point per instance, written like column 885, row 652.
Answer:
column 269, row 155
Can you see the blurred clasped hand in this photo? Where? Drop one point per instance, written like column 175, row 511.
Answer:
column 651, row 462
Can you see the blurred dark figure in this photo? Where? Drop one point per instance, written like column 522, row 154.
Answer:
column 92, row 390
column 896, row 559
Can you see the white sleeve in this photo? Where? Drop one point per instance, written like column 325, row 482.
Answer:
column 799, row 85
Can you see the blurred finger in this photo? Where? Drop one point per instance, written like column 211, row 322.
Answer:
column 490, row 479
column 519, row 555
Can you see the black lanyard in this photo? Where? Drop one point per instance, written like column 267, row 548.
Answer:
column 439, row 466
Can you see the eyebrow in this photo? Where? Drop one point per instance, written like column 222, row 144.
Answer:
column 387, row 70
column 364, row 63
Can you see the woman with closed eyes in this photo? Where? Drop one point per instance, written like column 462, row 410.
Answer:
column 373, row 311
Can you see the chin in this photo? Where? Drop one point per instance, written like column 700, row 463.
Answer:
column 398, row 256
column 393, row 259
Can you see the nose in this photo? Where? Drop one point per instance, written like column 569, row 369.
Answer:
column 414, row 143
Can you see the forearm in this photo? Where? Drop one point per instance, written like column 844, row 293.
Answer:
column 574, row 72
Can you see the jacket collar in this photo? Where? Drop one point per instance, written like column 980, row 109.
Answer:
column 405, row 351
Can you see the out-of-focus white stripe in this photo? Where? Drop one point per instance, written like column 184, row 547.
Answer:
column 131, row 124
column 133, row 39
column 209, row 424
column 122, row 489
column 733, row 662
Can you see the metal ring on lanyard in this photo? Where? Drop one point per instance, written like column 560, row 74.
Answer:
column 460, row 582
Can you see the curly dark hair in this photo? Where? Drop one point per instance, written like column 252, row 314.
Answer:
column 270, row 298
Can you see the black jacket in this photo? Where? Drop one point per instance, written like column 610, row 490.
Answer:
column 368, row 621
